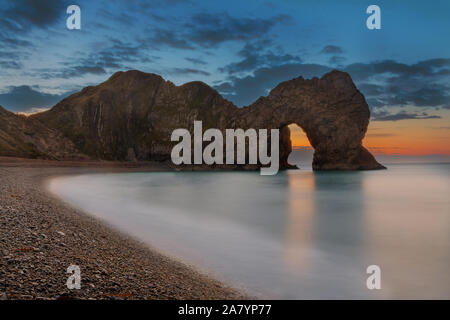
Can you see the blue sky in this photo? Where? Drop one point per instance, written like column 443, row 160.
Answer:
column 241, row 48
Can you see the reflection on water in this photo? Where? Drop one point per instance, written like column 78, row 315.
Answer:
column 298, row 234
column 299, row 223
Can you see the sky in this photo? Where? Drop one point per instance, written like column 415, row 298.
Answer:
column 242, row 49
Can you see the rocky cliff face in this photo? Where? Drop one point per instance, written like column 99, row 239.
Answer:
column 21, row 136
column 131, row 117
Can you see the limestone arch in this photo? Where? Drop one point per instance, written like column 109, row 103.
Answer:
column 331, row 111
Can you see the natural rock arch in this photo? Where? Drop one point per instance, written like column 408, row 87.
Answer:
column 331, row 111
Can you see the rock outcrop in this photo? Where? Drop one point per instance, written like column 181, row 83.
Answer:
column 27, row 137
column 131, row 117
column 331, row 111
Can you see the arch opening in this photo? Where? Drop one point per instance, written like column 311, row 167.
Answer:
column 300, row 154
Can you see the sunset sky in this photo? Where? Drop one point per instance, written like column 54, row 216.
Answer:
column 242, row 49
column 406, row 137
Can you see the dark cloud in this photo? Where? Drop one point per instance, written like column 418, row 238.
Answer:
column 335, row 52
column 130, row 10
column 257, row 55
column 149, row 6
column 13, row 51
column 23, row 15
column 184, row 71
column 419, row 94
column 121, row 17
column 390, row 83
column 169, row 38
column 427, row 68
column 118, row 54
column 336, row 60
column 330, row 49
column 370, row 89
column 74, row 72
column 10, row 64
column 14, row 43
column 206, row 30
column 374, row 102
column 25, row 98
column 403, row 115
column 196, row 61
column 434, row 95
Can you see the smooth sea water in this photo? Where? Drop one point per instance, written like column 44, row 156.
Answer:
column 297, row 235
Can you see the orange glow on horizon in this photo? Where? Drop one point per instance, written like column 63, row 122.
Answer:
column 409, row 137
column 405, row 137
column 298, row 137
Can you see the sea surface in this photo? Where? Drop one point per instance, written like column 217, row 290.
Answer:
column 296, row 235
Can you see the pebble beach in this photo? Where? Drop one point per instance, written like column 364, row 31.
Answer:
column 41, row 236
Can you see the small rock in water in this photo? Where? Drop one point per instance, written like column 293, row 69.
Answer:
column 61, row 233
